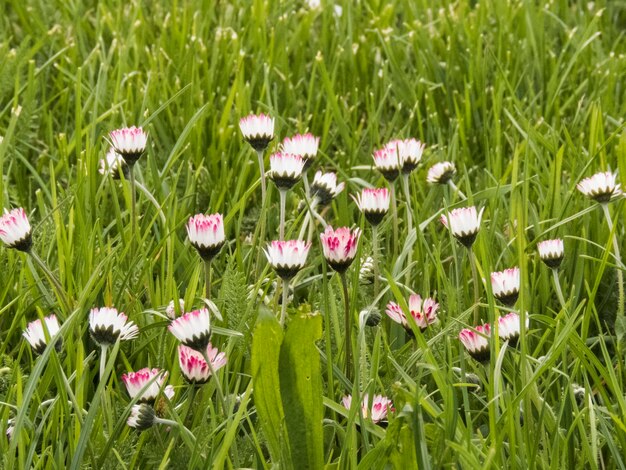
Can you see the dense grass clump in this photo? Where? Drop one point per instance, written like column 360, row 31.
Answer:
column 514, row 354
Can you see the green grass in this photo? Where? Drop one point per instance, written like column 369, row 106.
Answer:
column 525, row 97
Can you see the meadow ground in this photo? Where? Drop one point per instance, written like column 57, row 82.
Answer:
column 526, row 98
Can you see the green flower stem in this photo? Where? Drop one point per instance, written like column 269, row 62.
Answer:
column 207, row 278
column 620, row 274
column 407, row 195
column 456, row 189
column 283, row 307
column 394, row 210
column 283, row 199
column 53, row 280
column 133, row 202
column 348, row 327
column 170, row 422
column 557, row 287
column 472, row 258
column 375, row 257
column 105, row 400
column 262, row 169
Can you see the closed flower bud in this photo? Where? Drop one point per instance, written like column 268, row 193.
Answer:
column 36, row 336
column 440, row 173
column 153, row 381
column 141, row 417
column 303, row 145
column 206, row 234
column 193, row 366
column 600, row 187
column 325, row 187
column 193, row 329
column 374, row 203
column 388, row 163
column 106, row 325
column 505, row 285
column 285, row 170
column 476, row 341
column 423, row 312
column 257, row 130
column 551, row 252
column 287, row 257
column 340, row 246
column 129, row 142
column 464, row 224
column 409, row 153
column 15, row 230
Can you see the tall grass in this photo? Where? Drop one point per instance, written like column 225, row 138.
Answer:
column 525, row 97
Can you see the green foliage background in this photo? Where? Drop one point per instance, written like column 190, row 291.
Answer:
column 526, row 97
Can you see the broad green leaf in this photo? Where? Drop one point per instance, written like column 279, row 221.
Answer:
column 301, row 391
column 266, row 343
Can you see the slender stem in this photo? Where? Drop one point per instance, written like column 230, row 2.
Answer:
column 620, row 274
column 103, row 360
column 105, row 402
column 557, row 286
column 305, row 223
column 259, row 242
column 307, row 188
column 171, row 422
column 375, row 257
column 456, row 189
column 218, row 386
column 348, row 326
column 394, row 209
column 407, row 195
column 133, row 202
column 207, row 278
column 283, row 199
column 475, row 282
column 262, row 169
column 283, row 307
column 53, row 280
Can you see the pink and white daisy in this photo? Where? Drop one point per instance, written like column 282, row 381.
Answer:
column 388, row 163
column 193, row 329
column 287, row 257
column 257, row 130
column 15, row 230
column 440, row 173
column 340, row 246
column 113, row 164
column 509, row 327
column 374, row 203
column 142, row 417
column 193, row 365
column 409, row 152
column 325, row 188
column 206, row 234
column 152, row 379
column 551, row 252
column 600, row 187
column 476, row 341
column 106, row 325
column 304, row 145
column 129, row 142
column 463, row 223
column 35, row 333
column 505, row 285
column 423, row 312
column 285, row 169
column 381, row 406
